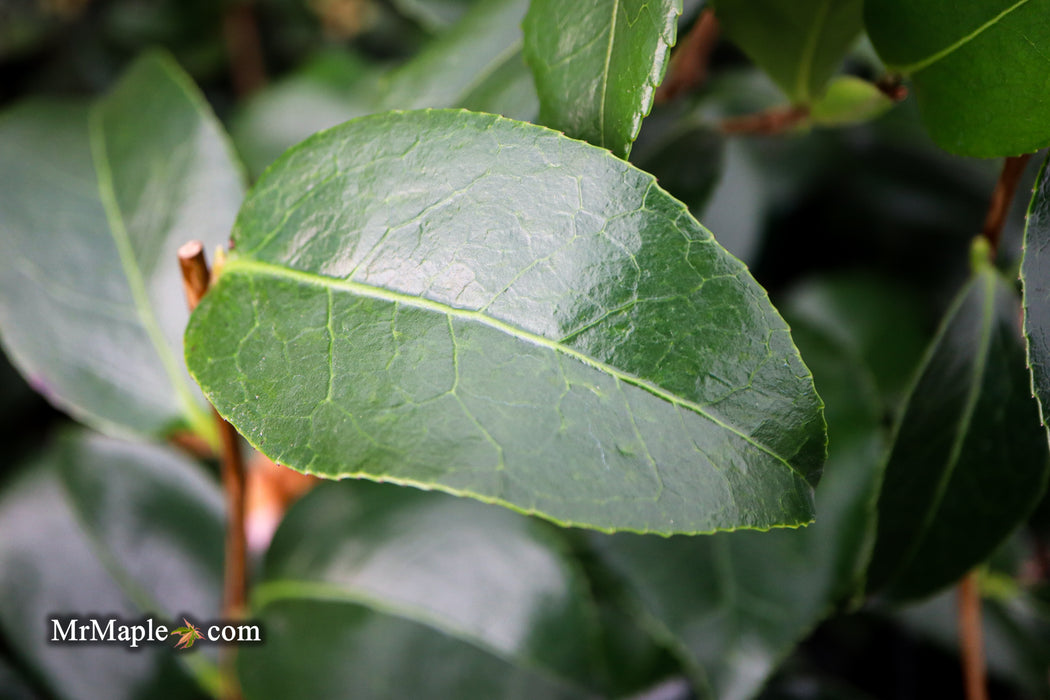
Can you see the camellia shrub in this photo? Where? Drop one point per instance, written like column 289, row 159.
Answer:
column 495, row 275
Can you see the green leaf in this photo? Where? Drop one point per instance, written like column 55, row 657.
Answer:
column 597, row 65
column 484, row 576
column 450, row 69
column 330, row 648
column 477, row 64
column 131, row 554
column 332, row 87
column 849, row 100
column 736, row 603
column 666, row 142
column 968, row 463
column 433, row 15
column 462, row 302
column 876, row 321
column 154, row 516
column 92, row 212
column 1035, row 279
column 798, row 43
column 978, row 68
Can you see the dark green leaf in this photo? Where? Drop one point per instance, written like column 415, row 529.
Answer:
column 1035, row 278
column 978, row 67
column 462, row 302
column 477, row 65
column 597, row 65
column 329, row 648
column 969, row 462
column 331, row 88
column 482, row 575
column 878, row 322
column 130, row 555
column 446, row 73
column 92, row 211
column 799, row 43
column 156, row 520
column 16, row 685
column 737, row 603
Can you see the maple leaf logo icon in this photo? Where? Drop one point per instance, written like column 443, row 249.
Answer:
column 187, row 635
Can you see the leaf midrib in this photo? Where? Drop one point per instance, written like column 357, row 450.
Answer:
column 249, row 265
column 202, row 670
column 958, row 44
column 809, row 50
column 291, row 590
column 133, row 274
column 605, row 70
column 980, row 363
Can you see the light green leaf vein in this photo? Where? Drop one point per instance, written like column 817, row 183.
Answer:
column 248, row 267
column 133, row 274
column 963, row 41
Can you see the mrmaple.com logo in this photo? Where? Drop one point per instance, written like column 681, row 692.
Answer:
column 112, row 630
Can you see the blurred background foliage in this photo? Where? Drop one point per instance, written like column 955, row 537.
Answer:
column 861, row 234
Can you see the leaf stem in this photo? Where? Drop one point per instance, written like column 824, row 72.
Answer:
column 689, row 63
column 971, row 643
column 196, row 279
column 767, row 122
column 1002, row 195
column 243, row 47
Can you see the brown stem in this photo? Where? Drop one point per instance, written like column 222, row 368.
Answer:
column 689, row 63
column 196, row 279
column 768, row 122
column 1003, row 194
column 891, row 85
column 241, row 31
column 971, row 643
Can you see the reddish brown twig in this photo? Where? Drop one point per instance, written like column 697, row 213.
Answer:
column 891, row 86
column 688, row 67
column 244, row 49
column 971, row 643
column 1002, row 196
column 768, row 122
column 196, row 279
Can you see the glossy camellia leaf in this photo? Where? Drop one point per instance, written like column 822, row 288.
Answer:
column 978, row 67
column 969, row 462
column 93, row 208
column 477, row 65
column 736, row 603
column 1035, row 278
column 486, row 587
column 342, row 649
column 463, row 302
column 333, row 86
column 96, row 526
column 448, row 71
column 597, row 65
column 798, row 43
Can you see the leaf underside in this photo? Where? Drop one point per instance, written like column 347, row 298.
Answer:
column 463, row 302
